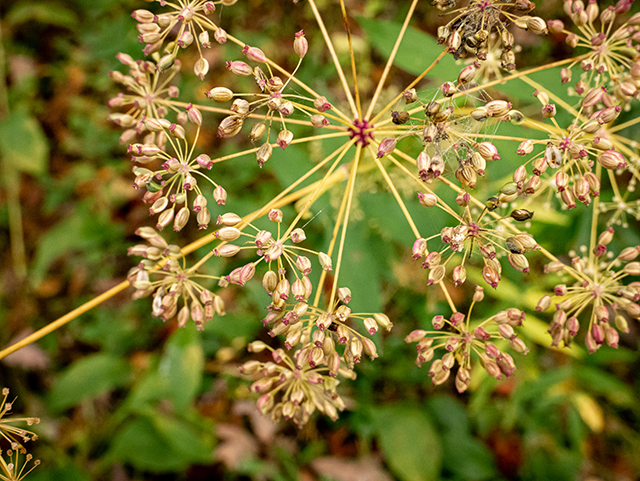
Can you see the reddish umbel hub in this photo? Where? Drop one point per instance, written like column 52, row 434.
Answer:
column 359, row 132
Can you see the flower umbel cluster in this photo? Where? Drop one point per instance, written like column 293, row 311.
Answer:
column 599, row 285
column 462, row 339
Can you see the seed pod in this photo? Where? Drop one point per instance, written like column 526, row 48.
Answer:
column 400, row 118
column 220, row 94
column 521, row 215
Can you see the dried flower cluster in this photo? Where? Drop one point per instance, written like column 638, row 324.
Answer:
column 12, row 468
column 322, row 339
column 444, row 147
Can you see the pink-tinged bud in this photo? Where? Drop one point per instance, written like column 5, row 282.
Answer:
column 325, row 261
column 568, row 198
column 220, row 195
column 201, row 68
column 263, row 238
column 227, row 233
column 181, row 219
column 242, row 275
column 419, row 248
column 344, row 293
column 459, row 275
column 518, row 262
column 204, row 39
column 467, row 74
column 602, row 143
column 321, row 104
column 199, row 203
column 284, row 138
column 432, row 260
column 298, row 235
column 427, row 199
column 194, row 115
column 415, row 336
column 488, row 151
column 230, row 126
column 593, row 96
column 143, row 16
column 549, row 111
column 227, row 250
column 497, row 108
column 562, row 181
column 239, row 68
column 383, row 321
column 572, row 325
column 220, row 35
column 304, row 265
column 612, row 159
column 457, row 318
column 560, row 290
column 204, row 161
column 254, row 54
column 606, row 236
column 572, row 40
column 632, row 268
column 275, row 215
column 387, row 146
column 555, row 26
column 219, row 94
column 490, row 275
column 319, row 121
column 633, row 310
column 543, row 303
column 629, row 253
column 525, row 148
column 300, row 44
column 438, row 322
column 597, row 334
column 506, row 331
column 203, row 218
column 264, row 153
column 608, row 115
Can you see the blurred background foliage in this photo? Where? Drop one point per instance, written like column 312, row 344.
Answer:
column 122, row 396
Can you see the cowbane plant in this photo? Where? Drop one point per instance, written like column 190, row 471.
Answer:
column 434, row 149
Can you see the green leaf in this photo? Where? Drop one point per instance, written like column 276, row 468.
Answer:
column 23, row 144
column 383, row 35
column 160, row 444
column 468, row 458
column 409, row 442
column 182, row 365
column 600, row 381
column 88, row 377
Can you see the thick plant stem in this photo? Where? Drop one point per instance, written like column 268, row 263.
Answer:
column 49, row 328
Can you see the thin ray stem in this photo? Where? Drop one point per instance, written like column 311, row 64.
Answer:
column 353, row 60
column 395, row 193
column 411, row 85
column 343, row 235
column 334, row 56
column 392, row 56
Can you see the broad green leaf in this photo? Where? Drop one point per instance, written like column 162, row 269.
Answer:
column 159, row 444
column 468, row 458
column 182, row 365
column 88, row 377
column 409, row 442
column 417, row 50
column 23, row 144
column 82, row 231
